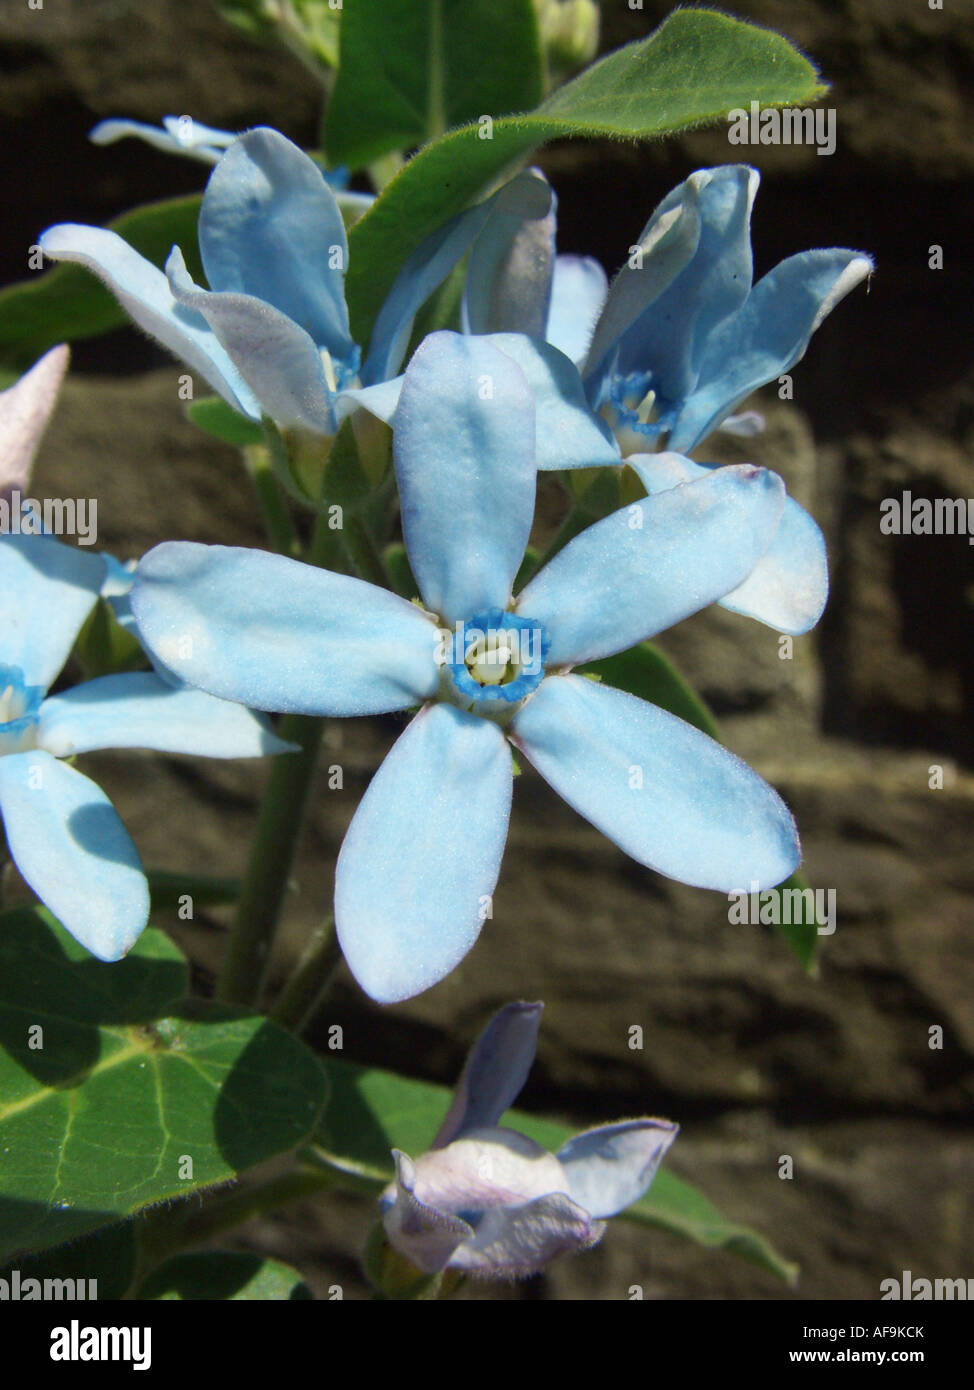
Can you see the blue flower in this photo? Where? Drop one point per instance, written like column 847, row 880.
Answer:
column 272, row 334
column 682, row 336
column 62, row 832
column 423, row 851
column 490, row 1202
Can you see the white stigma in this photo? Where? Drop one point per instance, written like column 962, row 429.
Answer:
column 8, row 706
column 644, row 410
column 489, row 660
column 329, row 369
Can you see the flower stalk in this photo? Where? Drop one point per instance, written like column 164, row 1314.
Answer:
column 300, row 998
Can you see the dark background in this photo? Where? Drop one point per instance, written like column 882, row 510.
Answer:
column 754, row 1059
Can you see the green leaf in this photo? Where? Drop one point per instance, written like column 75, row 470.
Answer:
column 372, row 1111
column 646, row 672
column 106, row 1256
column 410, row 69
column 215, row 417
column 68, row 303
column 802, row 937
column 678, row 1207
column 400, row 572
column 693, row 69
column 224, row 1274
column 104, row 647
column 100, row 1120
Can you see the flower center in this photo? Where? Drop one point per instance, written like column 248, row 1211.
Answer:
column 492, row 661
column 634, row 413
column 19, row 704
column 341, row 373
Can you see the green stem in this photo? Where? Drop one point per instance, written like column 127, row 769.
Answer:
column 158, row 1234
column 435, row 111
column 273, row 509
column 271, row 860
column 224, row 1213
column 299, row 1000
column 275, row 841
column 162, row 1232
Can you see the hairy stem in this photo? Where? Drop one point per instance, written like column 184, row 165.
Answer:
column 299, row 999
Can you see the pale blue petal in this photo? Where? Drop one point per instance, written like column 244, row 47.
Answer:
column 511, row 1242
column 578, row 291
column 766, row 337
column 380, row 400
column 744, row 426
column 464, row 453
column 141, row 710
column 508, row 283
column 425, row 1235
column 178, row 135
column 667, row 244
column 188, row 133
column 277, row 359
column 117, row 593
column 422, row 854
column 611, row 1167
column 71, row 848
column 109, row 131
column 494, row 1073
column 567, row 434
column 789, row 585
column 670, row 339
column 527, row 196
column 47, row 591
column 664, row 792
column 143, row 292
column 276, row 634
column 270, row 228
column 653, row 563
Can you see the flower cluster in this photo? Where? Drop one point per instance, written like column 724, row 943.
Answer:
column 483, row 650
column 553, row 369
